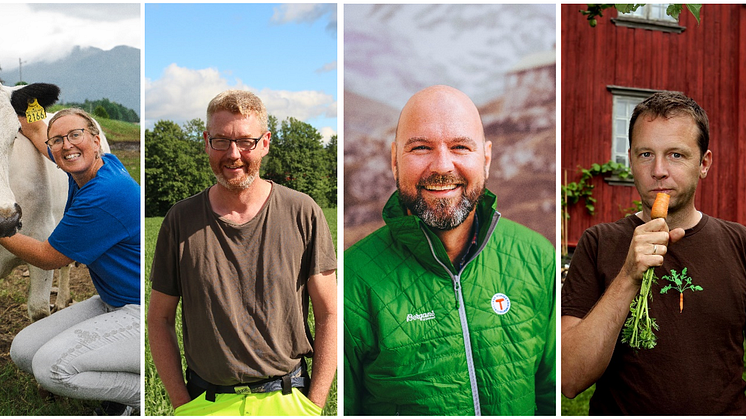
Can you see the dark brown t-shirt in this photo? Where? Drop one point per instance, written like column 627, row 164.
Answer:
column 243, row 287
column 696, row 366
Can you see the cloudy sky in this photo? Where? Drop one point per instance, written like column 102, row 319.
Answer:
column 393, row 50
column 286, row 54
column 48, row 32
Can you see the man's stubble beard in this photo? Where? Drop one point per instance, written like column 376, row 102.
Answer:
column 242, row 183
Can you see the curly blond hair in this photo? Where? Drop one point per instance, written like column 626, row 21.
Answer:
column 238, row 102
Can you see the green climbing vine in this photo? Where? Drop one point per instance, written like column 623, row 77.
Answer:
column 573, row 192
column 674, row 10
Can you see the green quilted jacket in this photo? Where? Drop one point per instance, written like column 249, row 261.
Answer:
column 422, row 338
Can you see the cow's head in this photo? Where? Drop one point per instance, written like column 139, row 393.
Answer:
column 14, row 101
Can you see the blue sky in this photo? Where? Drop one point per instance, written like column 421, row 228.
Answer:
column 285, row 53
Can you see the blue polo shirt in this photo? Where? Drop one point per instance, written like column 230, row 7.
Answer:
column 101, row 228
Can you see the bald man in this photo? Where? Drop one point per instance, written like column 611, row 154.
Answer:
column 449, row 308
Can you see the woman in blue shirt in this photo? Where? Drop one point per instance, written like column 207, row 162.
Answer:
column 90, row 350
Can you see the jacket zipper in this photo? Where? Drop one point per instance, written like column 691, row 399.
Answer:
column 467, row 345
column 462, row 312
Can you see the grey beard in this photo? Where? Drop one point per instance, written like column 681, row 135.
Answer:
column 441, row 216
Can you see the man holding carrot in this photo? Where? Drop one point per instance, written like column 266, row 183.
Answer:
column 684, row 354
column 449, row 308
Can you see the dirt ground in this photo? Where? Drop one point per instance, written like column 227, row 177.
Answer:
column 13, row 295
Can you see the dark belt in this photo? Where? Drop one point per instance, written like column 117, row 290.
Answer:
column 298, row 378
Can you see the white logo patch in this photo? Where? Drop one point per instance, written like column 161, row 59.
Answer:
column 500, row 303
column 421, row 317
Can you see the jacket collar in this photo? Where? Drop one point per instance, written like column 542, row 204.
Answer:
column 411, row 232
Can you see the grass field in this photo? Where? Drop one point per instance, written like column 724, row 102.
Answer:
column 120, row 131
column 119, row 134
column 156, row 398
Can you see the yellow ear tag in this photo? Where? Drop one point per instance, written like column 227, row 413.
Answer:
column 34, row 112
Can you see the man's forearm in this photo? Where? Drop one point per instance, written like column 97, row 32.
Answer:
column 167, row 359
column 588, row 344
column 324, row 358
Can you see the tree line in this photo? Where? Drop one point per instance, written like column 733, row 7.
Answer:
column 104, row 108
column 177, row 167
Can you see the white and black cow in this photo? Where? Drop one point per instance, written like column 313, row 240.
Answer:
column 33, row 192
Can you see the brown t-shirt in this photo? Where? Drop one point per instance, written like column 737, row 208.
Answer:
column 243, row 287
column 696, row 366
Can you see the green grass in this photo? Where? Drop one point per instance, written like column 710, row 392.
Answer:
column 117, row 131
column 19, row 397
column 579, row 405
column 157, row 402
column 131, row 161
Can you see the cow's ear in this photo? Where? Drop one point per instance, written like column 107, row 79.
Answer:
column 45, row 94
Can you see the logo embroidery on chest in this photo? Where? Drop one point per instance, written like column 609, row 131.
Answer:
column 421, row 317
column 680, row 283
column 500, row 303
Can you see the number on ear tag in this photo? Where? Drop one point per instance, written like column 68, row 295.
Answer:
column 34, row 112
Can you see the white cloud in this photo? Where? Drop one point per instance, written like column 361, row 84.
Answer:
column 302, row 12
column 111, row 12
column 331, row 111
column 327, row 133
column 306, row 13
column 182, row 94
column 332, row 66
column 48, row 34
column 301, row 105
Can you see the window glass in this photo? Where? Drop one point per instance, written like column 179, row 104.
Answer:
column 623, row 107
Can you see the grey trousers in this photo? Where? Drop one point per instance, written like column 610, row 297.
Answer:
column 89, row 350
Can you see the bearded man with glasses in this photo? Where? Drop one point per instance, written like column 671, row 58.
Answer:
column 244, row 256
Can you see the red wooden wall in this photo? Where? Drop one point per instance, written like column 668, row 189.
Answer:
column 707, row 62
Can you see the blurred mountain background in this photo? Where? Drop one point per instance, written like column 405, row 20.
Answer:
column 112, row 74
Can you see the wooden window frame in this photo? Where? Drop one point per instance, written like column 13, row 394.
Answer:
column 639, row 22
column 628, row 92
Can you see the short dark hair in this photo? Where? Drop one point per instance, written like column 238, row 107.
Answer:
column 670, row 104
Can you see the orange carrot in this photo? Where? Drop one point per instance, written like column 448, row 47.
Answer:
column 681, row 302
column 660, row 206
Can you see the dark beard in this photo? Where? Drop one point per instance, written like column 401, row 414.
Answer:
column 442, row 215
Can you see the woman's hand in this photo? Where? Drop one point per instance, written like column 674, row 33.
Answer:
column 36, row 132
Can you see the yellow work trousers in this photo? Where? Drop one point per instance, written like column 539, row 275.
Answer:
column 256, row 404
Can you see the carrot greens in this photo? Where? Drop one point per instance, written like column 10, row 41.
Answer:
column 681, row 283
column 639, row 326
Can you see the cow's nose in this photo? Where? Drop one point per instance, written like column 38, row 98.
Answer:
column 10, row 221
